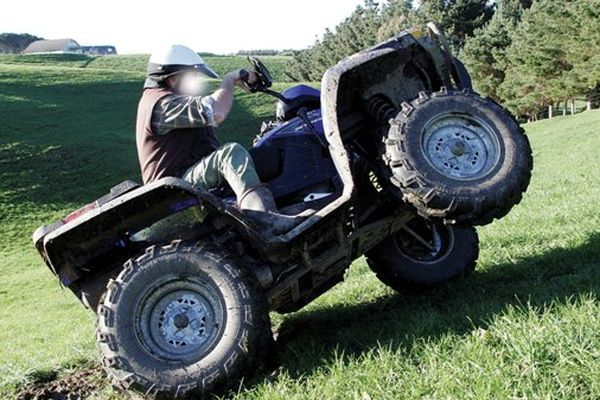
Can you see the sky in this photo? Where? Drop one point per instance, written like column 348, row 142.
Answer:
column 219, row 26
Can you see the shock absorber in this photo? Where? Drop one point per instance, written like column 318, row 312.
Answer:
column 381, row 109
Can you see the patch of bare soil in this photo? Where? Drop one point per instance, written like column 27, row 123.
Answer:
column 75, row 386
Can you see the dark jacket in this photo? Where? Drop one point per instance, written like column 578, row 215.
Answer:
column 173, row 132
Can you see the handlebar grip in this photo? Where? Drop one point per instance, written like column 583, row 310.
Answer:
column 244, row 75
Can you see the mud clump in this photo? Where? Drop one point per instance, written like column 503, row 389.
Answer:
column 76, row 386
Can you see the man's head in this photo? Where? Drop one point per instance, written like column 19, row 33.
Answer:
column 179, row 68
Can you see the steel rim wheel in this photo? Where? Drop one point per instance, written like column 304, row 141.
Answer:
column 425, row 244
column 179, row 319
column 460, row 146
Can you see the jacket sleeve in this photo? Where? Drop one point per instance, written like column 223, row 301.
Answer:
column 180, row 112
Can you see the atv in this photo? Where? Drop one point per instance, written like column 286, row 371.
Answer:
column 396, row 154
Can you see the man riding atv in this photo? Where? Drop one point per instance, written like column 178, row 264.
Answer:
column 175, row 133
column 397, row 155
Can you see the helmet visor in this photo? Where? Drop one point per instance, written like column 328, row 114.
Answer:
column 206, row 70
column 159, row 70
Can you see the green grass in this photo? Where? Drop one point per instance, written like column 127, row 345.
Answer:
column 526, row 325
column 137, row 63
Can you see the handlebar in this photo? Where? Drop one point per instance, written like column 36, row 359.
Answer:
column 244, row 75
column 263, row 79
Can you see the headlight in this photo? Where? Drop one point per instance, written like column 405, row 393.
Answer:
column 280, row 111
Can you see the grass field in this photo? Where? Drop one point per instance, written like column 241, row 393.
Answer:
column 137, row 63
column 526, row 325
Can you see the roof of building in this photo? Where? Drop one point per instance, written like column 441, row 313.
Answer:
column 47, row 46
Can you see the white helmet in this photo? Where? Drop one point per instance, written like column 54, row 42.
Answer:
column 174, row 59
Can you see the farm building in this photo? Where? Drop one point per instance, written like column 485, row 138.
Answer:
column 52, row 46
column 97, row 50
column 67, row 46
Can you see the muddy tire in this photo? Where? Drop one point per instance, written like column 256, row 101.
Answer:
column 182, row 321
column 425, row 255
column 458, row 157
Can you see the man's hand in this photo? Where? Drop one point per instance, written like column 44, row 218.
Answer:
column 236, row 78
column 223, row 97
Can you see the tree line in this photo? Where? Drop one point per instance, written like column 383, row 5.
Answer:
column 15, row 42
column 264, row 52
column 526, row 54
column 374, row 22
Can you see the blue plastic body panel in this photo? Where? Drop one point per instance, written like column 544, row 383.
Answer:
column 306, row 161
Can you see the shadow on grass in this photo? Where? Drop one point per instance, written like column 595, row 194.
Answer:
column 310, row 339
column 88, row 62
column 71, row 142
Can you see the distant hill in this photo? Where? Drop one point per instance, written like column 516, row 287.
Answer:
column 15, row 42
column 137, row 63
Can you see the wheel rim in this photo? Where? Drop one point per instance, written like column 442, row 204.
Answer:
column 460, row 146
column 180, row 319
column 425, row 242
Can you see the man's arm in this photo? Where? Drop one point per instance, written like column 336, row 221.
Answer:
column 223, row 97
column 181, row 111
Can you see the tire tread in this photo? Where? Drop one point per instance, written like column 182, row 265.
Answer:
column 124, row 377
column 433, row 201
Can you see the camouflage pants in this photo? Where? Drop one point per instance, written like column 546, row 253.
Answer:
column 230, row 163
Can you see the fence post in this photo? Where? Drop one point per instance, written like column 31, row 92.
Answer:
column 550, row 111
column 589, row 105
column 572, row 106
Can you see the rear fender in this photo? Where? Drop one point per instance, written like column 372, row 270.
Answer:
column 99, row 238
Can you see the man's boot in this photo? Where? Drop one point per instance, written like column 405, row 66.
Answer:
column 258, row 203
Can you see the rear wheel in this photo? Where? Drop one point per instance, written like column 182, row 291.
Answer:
column 423, row 255
column 182, row 321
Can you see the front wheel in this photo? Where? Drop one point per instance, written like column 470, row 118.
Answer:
column 182, row 321
column 458, row 157
column 424, row 255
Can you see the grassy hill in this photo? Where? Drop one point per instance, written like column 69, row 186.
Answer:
column 138, row 62
column 526, row 325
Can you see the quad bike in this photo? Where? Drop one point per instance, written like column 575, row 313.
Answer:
column 397, row 155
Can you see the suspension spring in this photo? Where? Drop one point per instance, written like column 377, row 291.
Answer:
column 381, row 109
